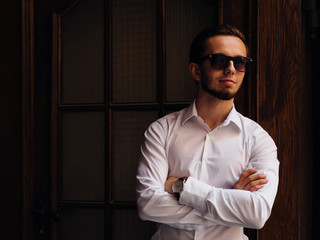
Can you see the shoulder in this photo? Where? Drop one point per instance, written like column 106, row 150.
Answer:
column 165, row 122
column 162, row 126
column 255, row 133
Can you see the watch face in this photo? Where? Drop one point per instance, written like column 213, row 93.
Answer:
column 177, row 186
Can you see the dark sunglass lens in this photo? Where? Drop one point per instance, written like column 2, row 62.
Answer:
column 219, row 61
column 241, row 64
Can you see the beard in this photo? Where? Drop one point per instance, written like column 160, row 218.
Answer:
column 224, row 94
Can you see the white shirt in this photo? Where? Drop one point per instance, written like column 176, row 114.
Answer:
column 182, row 145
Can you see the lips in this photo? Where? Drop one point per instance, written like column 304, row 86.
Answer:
column 227, row 81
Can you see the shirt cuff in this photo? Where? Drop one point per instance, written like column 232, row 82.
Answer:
column 194, row 194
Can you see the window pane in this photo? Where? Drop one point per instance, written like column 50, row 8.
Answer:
column 83, row 153
column 184, row 19
column 83, row 53
column 134, row 50
column 128, row 129
column 82, row 224
column 128, row 226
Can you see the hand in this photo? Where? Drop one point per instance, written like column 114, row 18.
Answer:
column 250, row 182
column 168, row 184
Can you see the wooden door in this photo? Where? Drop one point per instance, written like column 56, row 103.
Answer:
column 98, row 72
column 117, row 66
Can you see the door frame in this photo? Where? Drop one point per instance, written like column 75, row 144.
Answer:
column 28, row 120
column 263, row 11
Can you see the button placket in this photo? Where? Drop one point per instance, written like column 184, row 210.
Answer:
column 205, row 151
column 205, row 157
column 208, row 141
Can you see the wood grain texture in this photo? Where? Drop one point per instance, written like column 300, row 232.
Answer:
column 278, row 101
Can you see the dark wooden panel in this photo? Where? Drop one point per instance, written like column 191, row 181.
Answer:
column 278, row 102
column 27, row 94
column 310, row 205
column 43, row 10
column 11, row 120
column 237, row 13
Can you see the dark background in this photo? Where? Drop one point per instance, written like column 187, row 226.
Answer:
column 287, row 107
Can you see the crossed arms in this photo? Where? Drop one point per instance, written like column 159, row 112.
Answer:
column 248, row 181
column 200, row 205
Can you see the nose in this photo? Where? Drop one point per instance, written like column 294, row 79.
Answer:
column 230, row 69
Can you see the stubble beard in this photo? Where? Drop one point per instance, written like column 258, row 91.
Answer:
column 225, row 94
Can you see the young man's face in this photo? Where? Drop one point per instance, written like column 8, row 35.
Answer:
column 225, row 83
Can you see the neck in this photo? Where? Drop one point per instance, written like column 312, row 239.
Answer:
column 212, row 110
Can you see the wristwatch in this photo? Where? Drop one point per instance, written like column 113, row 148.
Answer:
column 177, row 186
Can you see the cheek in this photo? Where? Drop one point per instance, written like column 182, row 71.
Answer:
column 240, row 77
column 211, row 74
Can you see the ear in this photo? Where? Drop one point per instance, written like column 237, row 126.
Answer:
column 195, row 72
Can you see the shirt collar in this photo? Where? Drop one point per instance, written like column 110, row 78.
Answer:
column 190, row 112
column 233, row 116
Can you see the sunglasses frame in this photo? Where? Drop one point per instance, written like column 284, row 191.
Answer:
column 210, row 56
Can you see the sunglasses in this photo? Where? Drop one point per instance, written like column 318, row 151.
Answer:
column 221, row 61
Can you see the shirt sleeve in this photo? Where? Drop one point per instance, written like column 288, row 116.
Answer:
column 153, row 202
column 231, row 207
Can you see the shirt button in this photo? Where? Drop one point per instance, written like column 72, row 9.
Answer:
column 205, row 159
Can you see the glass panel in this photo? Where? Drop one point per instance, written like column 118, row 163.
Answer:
column 83, row 53
column 135, row 229
column 134, row 50
column 127, row 129
column 82, row 224
column 83, row 144
column 184, row 19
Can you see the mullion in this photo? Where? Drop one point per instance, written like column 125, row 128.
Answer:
column 82, row 108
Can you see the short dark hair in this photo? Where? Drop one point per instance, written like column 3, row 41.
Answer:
column 198, row 45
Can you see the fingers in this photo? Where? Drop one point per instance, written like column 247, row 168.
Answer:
column 255, row 185
column 242, row 180
column 254, row 180
column 168, row 184
column 250, row 181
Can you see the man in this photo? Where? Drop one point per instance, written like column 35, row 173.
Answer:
column 206, row 171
